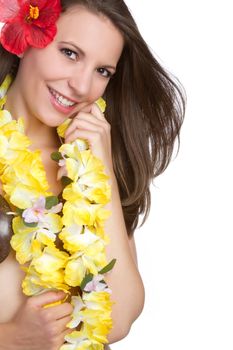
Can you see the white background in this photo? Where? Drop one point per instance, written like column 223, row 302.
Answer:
column 185, row 248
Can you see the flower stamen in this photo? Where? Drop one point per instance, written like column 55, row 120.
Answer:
column 34, row 12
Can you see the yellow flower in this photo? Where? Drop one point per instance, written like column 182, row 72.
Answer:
column 97, row 314
column 10, row 147
column 25, row 181
column 29, row 287
column 52, row 223
column 35, row 283
column 97, row 326
column 73, row 192
column 97, row 301
column 75, row 238
column 83, row 165
column 56, row 281
column 22, row 241
column 96, row 252
column 12, row 139
column 97, row 194
column 8, row 125
column 2, row 102
column 91, row 182
column 50, row 261
column 77, row 303
column 72, row 167
column 3, row 89
column 84, row 213
column 80, row 340
column 90, row 164
column 22, row 196
column 5, row 118
column 62, row 128
column 75, row 272
column 28, row 241
column 90, row 260
column 79, row 212
column 71, row 150
column 101, row 104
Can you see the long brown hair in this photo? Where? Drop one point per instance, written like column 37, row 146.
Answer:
column 145, row 107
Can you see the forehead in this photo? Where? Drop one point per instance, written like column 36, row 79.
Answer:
column 93, row 33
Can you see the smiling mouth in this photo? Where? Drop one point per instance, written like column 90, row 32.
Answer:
column 62, row 100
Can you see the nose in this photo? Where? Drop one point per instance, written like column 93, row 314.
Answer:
column 80, row 81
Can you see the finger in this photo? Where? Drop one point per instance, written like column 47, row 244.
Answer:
column 95, row 110
column 62, row 323
column 91, row 118
column 89, row 124
column 75, row 122
column 86, row 135
column 47, row 298
column 62, row 310
column 63, row 334
column 86, row 108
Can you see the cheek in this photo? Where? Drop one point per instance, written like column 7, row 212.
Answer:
column 44, row 64
column 99, row 88
column 31, row 68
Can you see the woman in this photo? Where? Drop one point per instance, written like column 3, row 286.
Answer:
column 97, row 51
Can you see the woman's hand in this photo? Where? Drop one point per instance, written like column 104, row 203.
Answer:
column 36, row 327
column 91, row 125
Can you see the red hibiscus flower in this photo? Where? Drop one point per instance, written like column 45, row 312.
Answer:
column 28, row 23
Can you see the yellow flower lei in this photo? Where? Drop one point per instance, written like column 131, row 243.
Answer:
column 38, row 226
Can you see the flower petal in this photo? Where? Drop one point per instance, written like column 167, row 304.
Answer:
column 13, row 37
column 78, row 304
column 9, row 11
column 40, row 37
column 49, row 13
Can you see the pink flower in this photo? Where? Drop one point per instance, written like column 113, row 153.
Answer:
column 28, row 23
column 37, row 211
column 97, row 285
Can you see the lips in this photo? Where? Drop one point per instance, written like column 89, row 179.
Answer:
column 62, row 103
column 61, row 99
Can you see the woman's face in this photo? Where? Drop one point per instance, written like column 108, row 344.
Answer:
column 71, row 72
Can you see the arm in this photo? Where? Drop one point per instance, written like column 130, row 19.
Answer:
column 124, row 279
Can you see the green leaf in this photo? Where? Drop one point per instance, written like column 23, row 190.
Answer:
column 51, row 201
column 19, row 211
column 65, row 180
column 108, row 267
column 86, row 279
column 56, row 156
column 30, row 224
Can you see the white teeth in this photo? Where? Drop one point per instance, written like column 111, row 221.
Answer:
column 62, row 100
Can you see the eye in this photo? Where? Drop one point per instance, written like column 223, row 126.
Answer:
column 105, row 72
column 70, row 53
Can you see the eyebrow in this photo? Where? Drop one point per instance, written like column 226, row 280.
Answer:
column 83, row 53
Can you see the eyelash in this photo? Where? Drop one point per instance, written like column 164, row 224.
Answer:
column 109, row 74
column 68, row 52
